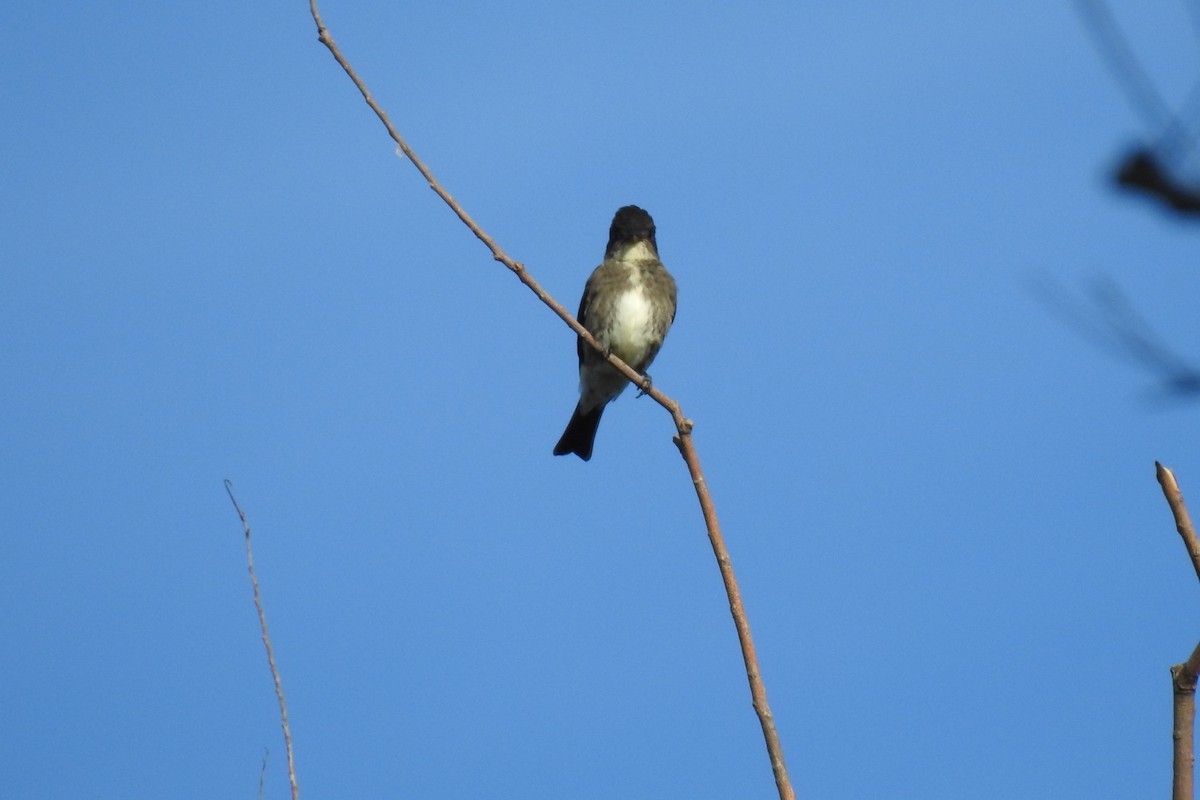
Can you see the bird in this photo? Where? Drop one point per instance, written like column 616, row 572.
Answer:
column 628, row 305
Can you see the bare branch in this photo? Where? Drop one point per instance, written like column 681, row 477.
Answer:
column 683, row 438
column 758, row 690
column 1183, row 676
column 1183, row 521
column 1183, row 727
column 262, row 621
column 498, row 254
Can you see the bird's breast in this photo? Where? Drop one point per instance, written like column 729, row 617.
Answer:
column 632, row 331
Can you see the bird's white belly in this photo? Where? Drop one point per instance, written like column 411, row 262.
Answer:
column 630, row 334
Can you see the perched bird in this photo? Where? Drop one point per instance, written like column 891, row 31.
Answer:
column 628, row 304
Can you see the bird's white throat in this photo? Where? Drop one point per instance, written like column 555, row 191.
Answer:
column 639, row 251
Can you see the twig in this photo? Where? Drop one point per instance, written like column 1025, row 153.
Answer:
column 262, row 775
column 1183, row 676
column 262, row 621
column 758, row 690
column 1183, row 730
column 683, row 438
column 1183, row 521
column 498, row 254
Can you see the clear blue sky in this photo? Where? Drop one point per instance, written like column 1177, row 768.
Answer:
column 939, row 496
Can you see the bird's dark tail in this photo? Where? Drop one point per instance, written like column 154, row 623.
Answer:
column 580, row 433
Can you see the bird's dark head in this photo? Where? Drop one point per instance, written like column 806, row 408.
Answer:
column 630, row 226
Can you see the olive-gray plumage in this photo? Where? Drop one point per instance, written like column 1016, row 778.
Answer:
column 628, row 304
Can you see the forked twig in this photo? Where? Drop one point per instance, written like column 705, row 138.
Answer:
column 1183, row 727
column 1183, row 676
column 266, row 637
column 683, row 425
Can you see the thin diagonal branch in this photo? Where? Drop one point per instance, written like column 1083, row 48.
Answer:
column 683, row 438
column 1127, row 70
column 498, row 254
column 266, row 637
column 758, row 689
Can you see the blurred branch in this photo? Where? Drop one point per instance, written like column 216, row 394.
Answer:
column 1183, row 676
column 262, row 775
column 1142, row 172
column 1183, row 730
column 1118, row 55
column 266, row 637
column 1110, row 321
column 683, row 437
column 1146, row 169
